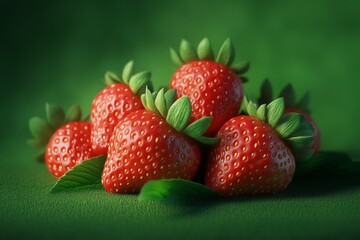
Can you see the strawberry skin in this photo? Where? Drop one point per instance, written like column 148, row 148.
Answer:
column 213, row 89
column 315, row 145
column 145, row 147
column 108, row 107
column 250, row 158
column 68, row 146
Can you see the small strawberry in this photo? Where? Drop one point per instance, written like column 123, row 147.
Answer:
column 154, row 143
column 119, row 98
column 256, row 152
column 68, row 146
column 64, row 141
column 215, row 88
column 301, row 107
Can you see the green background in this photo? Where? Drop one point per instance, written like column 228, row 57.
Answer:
column 58, row 51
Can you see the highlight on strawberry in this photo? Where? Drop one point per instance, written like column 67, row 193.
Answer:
column 213, row 85
column 257, row 151
column 63, row 139
column 119, row 98
column 291, row 105
column 155, row 143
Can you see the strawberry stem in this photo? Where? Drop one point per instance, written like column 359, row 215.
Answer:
column 292, row 127
column 226, row 53
column 177, row 113
column 128, row 71
column 187, row 52
column 205, row 52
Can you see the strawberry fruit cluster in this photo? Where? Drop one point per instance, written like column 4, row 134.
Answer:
column 201, row 127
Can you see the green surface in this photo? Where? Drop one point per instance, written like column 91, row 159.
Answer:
column 311, row 209
column 59, row 52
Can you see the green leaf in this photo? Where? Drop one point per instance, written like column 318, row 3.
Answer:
column 154, row 93
column 179, row 113
column 240, row 67
column 198, row 128
column 86, row 174
column 305, row 128
column 251, row 109
column 205, row 51
column 187, row 52
column 74, row 114
column 138, row 81
column 288, row 93
column 175, row 57
column 169, row 97
column 175, row 190
column 261, row 113
column 207, row 140
column 128, row 71
column 143, row 101
column 55, row 115
column 275, row 110
column 150, row 102
column 226, row 53
column 288, row 124
column 160, row 103
column 40, row 129
column 265, row 92
column 300, row 142
column 111, row 78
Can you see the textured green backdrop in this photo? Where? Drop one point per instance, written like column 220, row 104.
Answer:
column 58, row 51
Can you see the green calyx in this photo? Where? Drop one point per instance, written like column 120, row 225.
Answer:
column 292, row 127
column 204, row 51
column 288, row 93
column 42, row 129
column 136, row 81
column 177, row 113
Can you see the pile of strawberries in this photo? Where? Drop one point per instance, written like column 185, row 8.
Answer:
column 199, row 127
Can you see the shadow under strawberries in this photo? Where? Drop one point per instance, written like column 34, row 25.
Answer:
column 337, row 176
column 309, row 187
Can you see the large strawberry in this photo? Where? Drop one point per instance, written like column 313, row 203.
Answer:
column 301, row 107
column 119, row 98
column 154, row 143
column 257, row 152
column 64, row 139
column 215, row 88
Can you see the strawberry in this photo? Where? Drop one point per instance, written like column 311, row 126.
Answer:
column 154, row 143
column 64, row 141
column 68, row 146
column 301, row 107
column 214, row 88
column 119, row 98
column 257, row 152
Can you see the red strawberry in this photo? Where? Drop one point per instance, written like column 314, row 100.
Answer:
column 114, row 102
column 214, row 88
column 256, row 153
column 64, row 141
column 301, row 107
column 68, row 146
column 153, row 144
